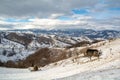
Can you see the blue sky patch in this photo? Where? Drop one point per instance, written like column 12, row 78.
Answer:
column 64, row 18
column 114, row 9
column 80, row 11
column 16, row 20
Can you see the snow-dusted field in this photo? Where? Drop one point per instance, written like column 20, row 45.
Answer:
column 107, row 68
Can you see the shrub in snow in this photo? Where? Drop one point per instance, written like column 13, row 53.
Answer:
column 45, row 56
column 10, row 64
column 1, row 63
column 20, row 64
column 35, row 68
column 79, row 44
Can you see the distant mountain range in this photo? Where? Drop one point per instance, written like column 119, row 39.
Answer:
column 56, row 38
column 105, row 34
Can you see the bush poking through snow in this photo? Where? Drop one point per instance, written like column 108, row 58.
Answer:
column 34, row 68
column 1, row 63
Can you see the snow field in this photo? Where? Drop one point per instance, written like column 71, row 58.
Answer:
column 107, row 68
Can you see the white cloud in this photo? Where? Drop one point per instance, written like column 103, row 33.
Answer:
column 81, row 17
column 53, row 16
column 41, row 8
column 86, row 22
column 48, row 11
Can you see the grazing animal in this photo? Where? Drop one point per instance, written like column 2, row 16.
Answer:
column 93, row 52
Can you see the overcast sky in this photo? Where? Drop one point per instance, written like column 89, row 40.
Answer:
column 60, row 14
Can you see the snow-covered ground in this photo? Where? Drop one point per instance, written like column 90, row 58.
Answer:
column 107, row 68
column 14, row 49
column 19, row 49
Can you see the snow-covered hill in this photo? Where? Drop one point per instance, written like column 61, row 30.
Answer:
column 107, row 68
column 16, row 46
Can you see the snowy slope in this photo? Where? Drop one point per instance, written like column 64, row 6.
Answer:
column 20, row 51
column 19, row 41
column 107, row 68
